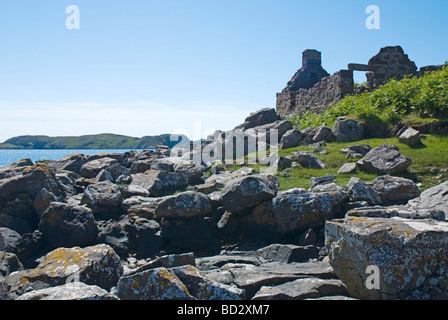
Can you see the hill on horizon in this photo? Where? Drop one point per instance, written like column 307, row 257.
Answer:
column 96, row 141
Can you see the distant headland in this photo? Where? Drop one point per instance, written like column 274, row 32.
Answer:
column 97, row 141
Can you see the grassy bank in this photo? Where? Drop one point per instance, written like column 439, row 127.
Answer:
column 429, row 167
column 418, row 99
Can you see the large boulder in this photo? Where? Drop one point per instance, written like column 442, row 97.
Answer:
column 20, row 187
column 384, row 159
column 184, row 205
column 244, row 193
column 153, row 284
column 308, row 159
column 92, row 168
column 63, row 225
column 104, row 198
column 72, row 162
column 395, row 190
column 346, row 130
column 97, row 265
column 300, row 289
column 160, row 183
column 397, row 258
column 291, row 139
column 260, row 117
column 180, row 283
column 290, row 213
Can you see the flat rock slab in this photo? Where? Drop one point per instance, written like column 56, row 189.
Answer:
column 300, row 289
column 251, row 278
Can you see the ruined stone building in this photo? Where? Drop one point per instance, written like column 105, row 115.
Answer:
column 313, row 89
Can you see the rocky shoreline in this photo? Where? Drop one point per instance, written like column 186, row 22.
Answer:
column 153, row 225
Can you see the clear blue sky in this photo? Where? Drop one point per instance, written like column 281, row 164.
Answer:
column 146, row 67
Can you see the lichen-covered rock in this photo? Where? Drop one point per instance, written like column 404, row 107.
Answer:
column 153, row 284
column 184, row 205
column 205, row 289
column 410, row 256
column 395, row 190
column 96, row 265
column 64, row 225
column 244, row 193
column 72, row 291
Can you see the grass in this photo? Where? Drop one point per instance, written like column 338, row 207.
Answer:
column 431, row 153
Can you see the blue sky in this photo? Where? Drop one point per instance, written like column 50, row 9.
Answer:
column 147, row 67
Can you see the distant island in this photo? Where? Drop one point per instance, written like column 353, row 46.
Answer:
column 98, row 141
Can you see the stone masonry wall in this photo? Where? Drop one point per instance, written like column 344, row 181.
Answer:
column 326, row 92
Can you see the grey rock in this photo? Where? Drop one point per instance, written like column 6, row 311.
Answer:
column 251, row 278
column 410, row 137
column 346, row 130
column 347, row 168
column 104, row 198
column 291, row 139
column 395, row 190
column 96, row 265
column 300, row 289
column 160, row 183
column 308, row 159
column 361, row 191
column 184, row 205
column 63, row 225
column 292, row 213
column 9, row 263
column 432, row 198
column 260, row 117
column 384, row 159
column 76, row 291
column 8, row 239
column 395, row 247
column 243, row 193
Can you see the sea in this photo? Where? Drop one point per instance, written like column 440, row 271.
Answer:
column 8, row 156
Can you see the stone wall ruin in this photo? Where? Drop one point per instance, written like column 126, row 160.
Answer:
column 313, row 89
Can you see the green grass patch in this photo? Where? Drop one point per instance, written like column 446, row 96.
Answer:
column 432, row 153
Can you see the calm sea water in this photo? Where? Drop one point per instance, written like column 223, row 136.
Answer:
column 13, row 155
